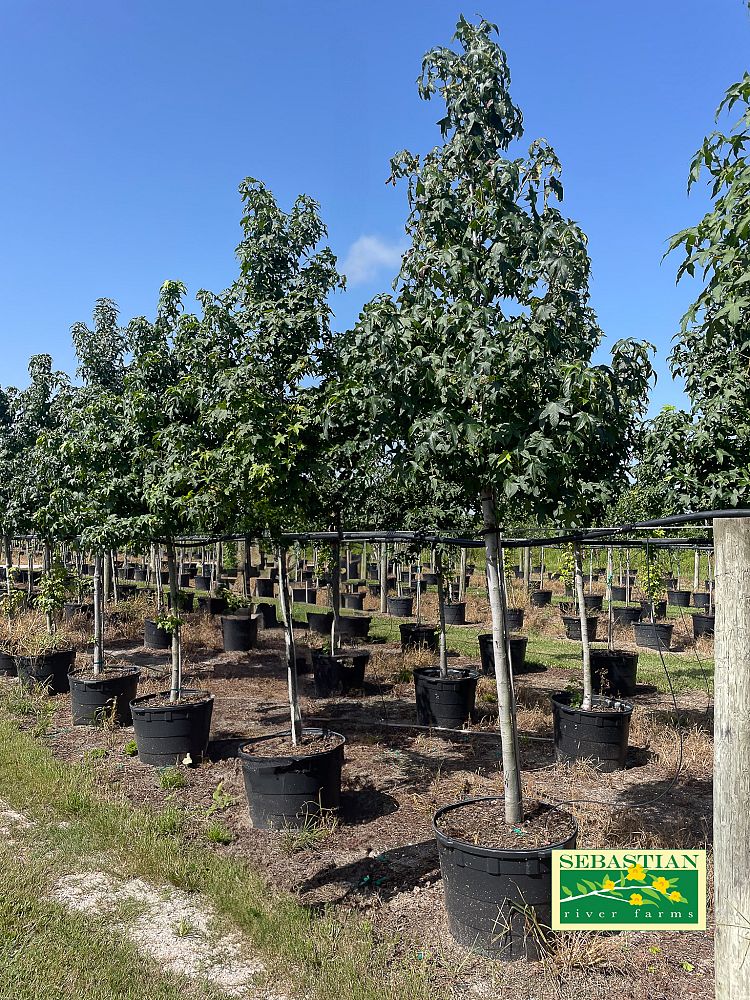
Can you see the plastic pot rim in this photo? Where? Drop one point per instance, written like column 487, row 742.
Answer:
column 562, row 700
column 244, row 754
column 496, row 852
column 136, row 707
column 432, row 674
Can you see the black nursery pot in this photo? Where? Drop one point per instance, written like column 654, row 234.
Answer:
column 185, row 601
column 660, row 609
column 628, row 615
column 430, row 579
column 540, row 598
column 155, row 637
column 268, row 615
column 139, row 575
column 514, row 619
column 572, row 625
column 401, row 607
column 703, row 625
column 213, row 605
column 373, row 589
column 304, row 595
column 71, row 609
column 601, row 737
column 415, row 636
column 619, row 593
column 166, row 734
column 7, row 665
column 354, row 626
column 48, row 669
column 202, row 582
column 488, row 892
column 263, row 587
column 93, row 699
column 701, row 600
column 445, row 702
column 240, row 633
column 653, row 635
column 518, row 644
column 455, row 614
column 339, row 673
column 593, row 602
column 320, row 622
column 353, row 601
column 679, row 598
column 285, row 791
column 618, row 666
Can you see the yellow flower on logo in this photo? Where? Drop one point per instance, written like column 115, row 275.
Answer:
column 636, row 899
column 675, row 897
column 660, row 884
column 636, row 873
column 608, row 884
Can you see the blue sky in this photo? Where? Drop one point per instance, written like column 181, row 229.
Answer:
column 127, row 126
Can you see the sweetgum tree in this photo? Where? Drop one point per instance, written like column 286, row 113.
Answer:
column 477, row 370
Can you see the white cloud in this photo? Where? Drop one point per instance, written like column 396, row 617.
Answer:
column 368, row 256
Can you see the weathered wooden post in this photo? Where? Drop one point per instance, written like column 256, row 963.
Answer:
column 732, row 758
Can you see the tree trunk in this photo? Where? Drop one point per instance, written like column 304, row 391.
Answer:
column 107, row 577
column 441, row 614
column 587, row 686
column 113, row 557
column 157, row 580
column 462, row 577
column 506, row 700
column 610, row 557
column 383, row 577
column 291, row 658
column 174, row 694
column 696, row 570
column 732, row 757
column 8, row 565
column 526, row 568
column 336, row 592
column 541, row 568
column 627, row 578
column 98, row 617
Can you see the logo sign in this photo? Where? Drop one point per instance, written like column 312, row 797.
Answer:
column 629, row 890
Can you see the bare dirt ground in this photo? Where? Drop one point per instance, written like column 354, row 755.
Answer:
column 379, row 857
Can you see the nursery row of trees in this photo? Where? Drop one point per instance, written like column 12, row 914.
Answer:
column 466, row 399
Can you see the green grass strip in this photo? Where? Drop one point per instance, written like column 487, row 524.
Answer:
column 329, row 958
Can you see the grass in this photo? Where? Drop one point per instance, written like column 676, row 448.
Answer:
column 79, row 816
column 687, row 671
column 48, row 951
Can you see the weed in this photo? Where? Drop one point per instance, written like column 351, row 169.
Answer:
column 171, row 778
column 130, row 749
column 221, row 800
column 217, row 833
column 314, row 830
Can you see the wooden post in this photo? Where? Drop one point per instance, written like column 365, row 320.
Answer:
column 732, row 758
column 696, row 570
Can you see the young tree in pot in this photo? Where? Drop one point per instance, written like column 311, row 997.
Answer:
column 161, row 392
column 92, row 485
column 470, row 369
column 261, row 411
